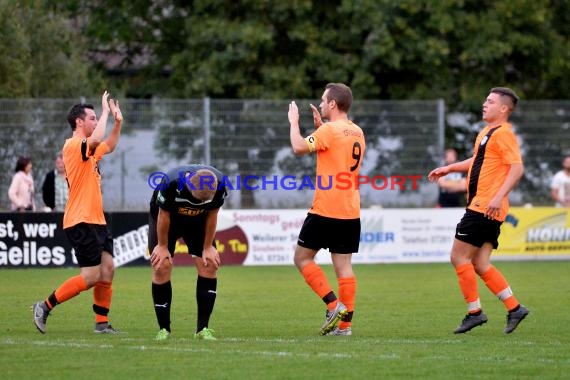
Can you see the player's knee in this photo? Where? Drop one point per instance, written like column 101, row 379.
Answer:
column 457, row 260
column 302, row 258
column 208, row 271
column 301, row 262
column 165, row 269
column 481, row 267
column 161, row 276
column 107, row 271
column 91, row 276
column 344, row 271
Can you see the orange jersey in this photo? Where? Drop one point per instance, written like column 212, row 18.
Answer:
column 85, row 203
column 495, row 150
column 340, row 149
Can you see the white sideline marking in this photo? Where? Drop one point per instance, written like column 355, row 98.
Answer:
column 162, row 347
column 56, row 344
column 264, row 353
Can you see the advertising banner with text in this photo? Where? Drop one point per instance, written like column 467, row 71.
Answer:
column 535, row 233
column 268, row 237
column 37, row 239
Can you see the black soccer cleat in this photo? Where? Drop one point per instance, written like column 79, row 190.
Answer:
column 471, row 321
column 514, row 318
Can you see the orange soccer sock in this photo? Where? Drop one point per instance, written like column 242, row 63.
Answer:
column 497, row 284
column 69, row 289
column 468, row 285
column 102, row 294
column 347, row 295
column 315, row 277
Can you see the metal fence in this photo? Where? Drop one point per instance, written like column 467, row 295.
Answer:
column 251, row 137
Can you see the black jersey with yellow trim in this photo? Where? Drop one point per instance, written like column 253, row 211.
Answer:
column 174, row 194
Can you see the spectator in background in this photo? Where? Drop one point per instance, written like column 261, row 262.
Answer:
column 560, row 185
column 55, row 190
column 452, row 187
column 21, row 191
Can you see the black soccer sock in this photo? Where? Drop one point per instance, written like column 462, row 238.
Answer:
column 347, row 317
column 329, row 297
column 205, row 298
column 162, row 298
column 51, row 302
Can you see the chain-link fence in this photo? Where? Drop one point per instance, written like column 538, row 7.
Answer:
column 251, row 138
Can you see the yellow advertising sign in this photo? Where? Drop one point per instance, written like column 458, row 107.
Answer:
column 537, row 231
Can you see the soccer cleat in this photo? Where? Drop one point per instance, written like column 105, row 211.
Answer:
column 470, row 321
column 341, row 332
column 205, row 334
column 332, row 317
column 105, row 328
column 162, row 335
column 40, row 316
column 514, row 318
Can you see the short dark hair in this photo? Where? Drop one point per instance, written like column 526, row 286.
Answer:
column 77, row 111
column 341, row 94
column 21, row 163
column 508, row 93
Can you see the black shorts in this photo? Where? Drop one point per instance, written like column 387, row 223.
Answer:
column 338, row 235
column 89, row 241
column 191, row 229
column 474, row 228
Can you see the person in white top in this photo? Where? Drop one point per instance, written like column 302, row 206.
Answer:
column 21, row 191
column 560, row 185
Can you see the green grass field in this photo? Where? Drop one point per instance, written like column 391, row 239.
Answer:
column 267, row 322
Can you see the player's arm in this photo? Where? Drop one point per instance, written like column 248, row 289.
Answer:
column 461, row 166
column 113, row 137
column 515, row 173
column 317, row 119
column 162, row 227
column 160, row 253
column 298, row 143
column 99, row 132
column 209, row 253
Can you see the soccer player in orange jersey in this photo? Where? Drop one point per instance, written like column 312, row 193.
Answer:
column 333, row 221
column 83, row 220
column 493, row 171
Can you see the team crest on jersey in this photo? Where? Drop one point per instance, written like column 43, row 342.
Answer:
column 484, row 140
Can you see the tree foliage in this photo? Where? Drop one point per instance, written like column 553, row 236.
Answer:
column 385, row 49
column 41, row 55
